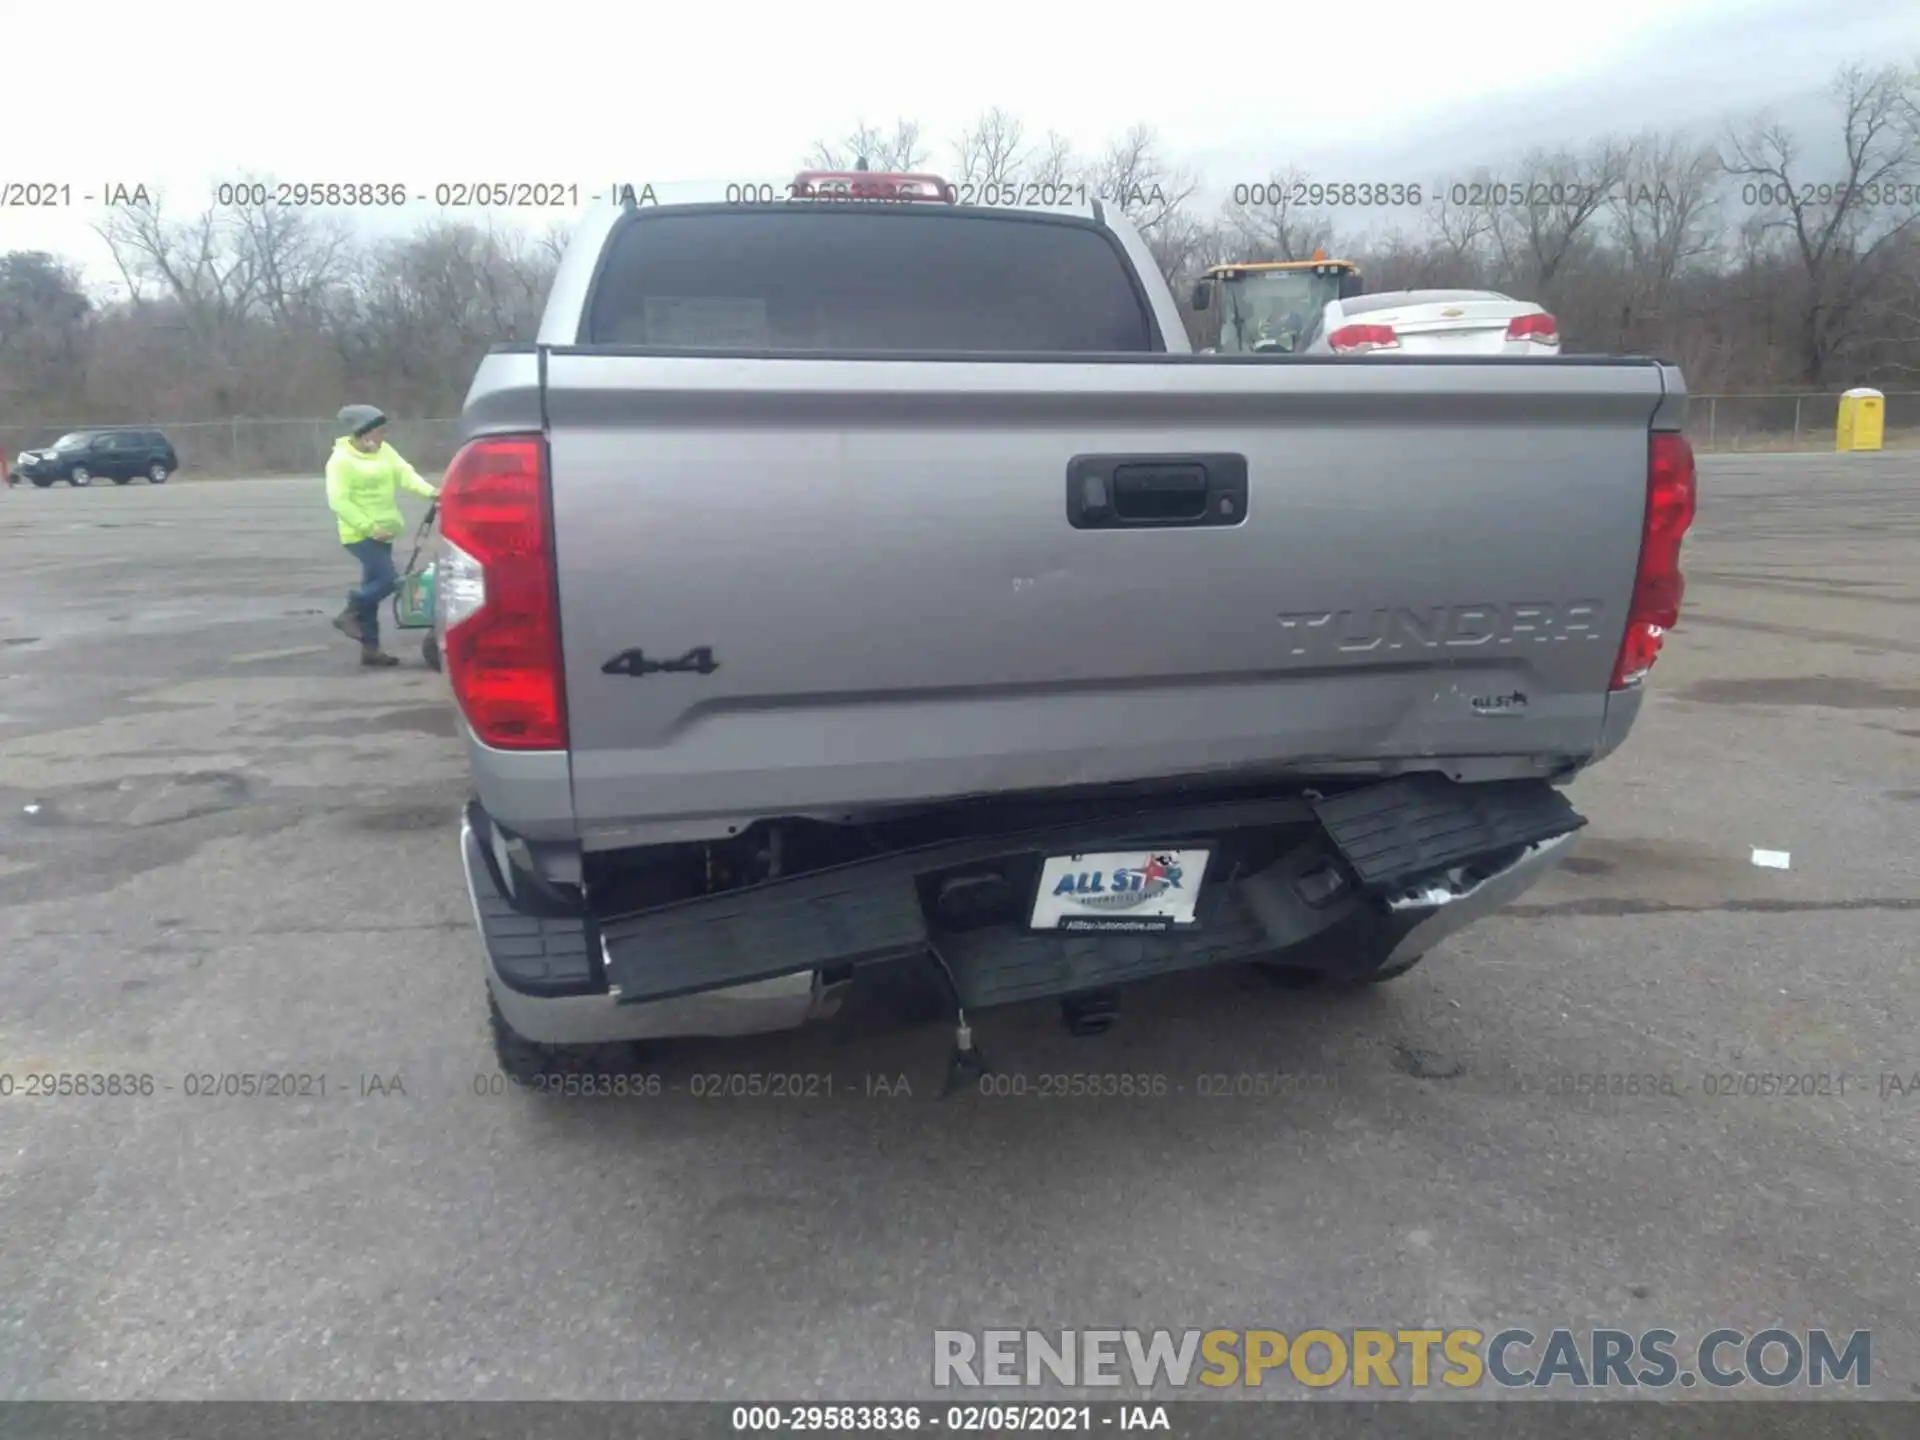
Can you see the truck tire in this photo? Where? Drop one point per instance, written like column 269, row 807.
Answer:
column 531, row 1065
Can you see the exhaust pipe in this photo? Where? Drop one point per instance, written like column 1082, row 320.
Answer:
column 1094, row 1013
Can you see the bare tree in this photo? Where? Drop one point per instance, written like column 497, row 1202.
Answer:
column 1269, row 226
column 1665, row 213
column 428, row 306
column 1524, row 223
column 257, row 310
column 1835, row 229
column 991, row 152
column 1399, row 260
column 1134, row 176
column 205, row 280
column 1666, row 222
column 1894, row 342
column 1183, row 249
column 553, row 244
column 1462, row 221
column 44, row 311
column 1053, row 164
column 899, row 150
column 193, row 262
column 1565, row 192
column 1183, row 245
column 295, row 255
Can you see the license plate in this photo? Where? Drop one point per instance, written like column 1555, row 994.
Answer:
column 1130, row 891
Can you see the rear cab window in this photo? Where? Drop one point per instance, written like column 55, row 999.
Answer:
column 866, row 278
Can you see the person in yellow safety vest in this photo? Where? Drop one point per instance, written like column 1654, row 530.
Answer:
column 364, row 474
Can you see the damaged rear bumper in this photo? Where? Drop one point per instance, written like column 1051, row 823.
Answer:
column 1386, row 869
column 1436, row 911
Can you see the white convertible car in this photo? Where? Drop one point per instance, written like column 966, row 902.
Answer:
column 1433, row 322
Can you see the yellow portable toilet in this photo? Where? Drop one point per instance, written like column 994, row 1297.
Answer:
column 1863, row 415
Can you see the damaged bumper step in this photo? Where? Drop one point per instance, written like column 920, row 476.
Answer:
column 1418, row 826
column 866, row 912
column 1003, row 966
column 1383, row 837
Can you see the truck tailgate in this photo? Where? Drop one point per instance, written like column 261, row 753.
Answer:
column 1430, row 560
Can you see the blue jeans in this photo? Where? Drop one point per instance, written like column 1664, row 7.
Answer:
column 377, row 582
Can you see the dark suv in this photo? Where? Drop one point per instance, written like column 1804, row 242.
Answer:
column 115, row 452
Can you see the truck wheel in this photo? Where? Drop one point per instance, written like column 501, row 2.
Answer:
column 529, row 1064
column 79, row 477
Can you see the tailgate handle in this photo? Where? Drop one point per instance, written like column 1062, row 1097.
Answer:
column 1141, row 491
column 1160, row 492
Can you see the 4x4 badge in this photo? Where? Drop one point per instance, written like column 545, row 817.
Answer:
column 697, row 661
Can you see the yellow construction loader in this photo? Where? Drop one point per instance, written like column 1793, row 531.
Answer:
column 1270, row 307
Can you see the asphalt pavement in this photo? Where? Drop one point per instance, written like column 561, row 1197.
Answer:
column 226, row 850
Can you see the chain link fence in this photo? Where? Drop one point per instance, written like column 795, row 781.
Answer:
column 262, row 447
column 300, row 446
column 1790, row 422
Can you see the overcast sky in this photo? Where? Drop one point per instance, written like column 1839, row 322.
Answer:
column 573, row 91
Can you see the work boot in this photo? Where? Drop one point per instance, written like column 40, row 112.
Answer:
column 374, row 655
column 347, row 622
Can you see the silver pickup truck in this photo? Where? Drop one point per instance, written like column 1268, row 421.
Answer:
column 848, row 576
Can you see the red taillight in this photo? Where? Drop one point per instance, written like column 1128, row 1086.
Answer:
column 1540, row 329
column 870, row 185
column 1362, row 339
column 1657, row 582
column 495, row 585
